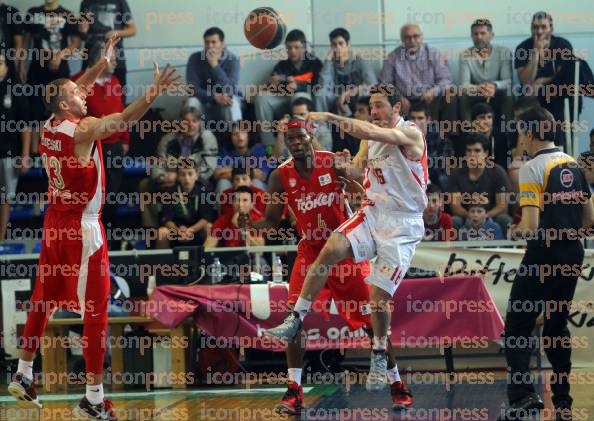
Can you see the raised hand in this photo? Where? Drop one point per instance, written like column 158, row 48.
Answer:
column 342, row 161
column 166, row 79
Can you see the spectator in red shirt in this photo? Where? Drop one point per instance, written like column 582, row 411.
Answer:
column 438, row 224
column 104, row 99
column 225, row 231
column 242, row 177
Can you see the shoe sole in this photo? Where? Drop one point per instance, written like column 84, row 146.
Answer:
column 23, row 400
column 286, row 410
column 401, row 407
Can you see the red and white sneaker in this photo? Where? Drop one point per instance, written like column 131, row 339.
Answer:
column 401, row 396
column 292, row 402
column 23, row 390
column 103, row 411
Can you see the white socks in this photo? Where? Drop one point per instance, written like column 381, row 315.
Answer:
column 393, row 374
column 295, row 375
column 95, row 393
column 302, row 306
column 380, row 344
column 26, row 369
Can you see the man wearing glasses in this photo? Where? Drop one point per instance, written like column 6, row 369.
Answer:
column 420, row 73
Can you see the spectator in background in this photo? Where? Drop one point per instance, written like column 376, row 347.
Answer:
column 187, row 222
column 438, row 223
column 292, row 78
column 225, row 231
column 345, row 76
column 322, row 136
column 51, row 37
column 420, row 72
column 242, row 155
column 192, row 142
column 482, row 116
column 106, row 98
column 438, row 149
column 479, row 178
column 241, row 176
column 485, row 72
column 342, row 140
column 214, row 75
column 12, row 40
column 14, row 145
column 104, row 19
column 592, row 140
column 540, row 60
column 478, row 226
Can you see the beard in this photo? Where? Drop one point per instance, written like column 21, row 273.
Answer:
column 482, row 45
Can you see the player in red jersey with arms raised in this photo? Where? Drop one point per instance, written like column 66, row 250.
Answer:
column 73, row 271
column 390, row 224
column 310, row 183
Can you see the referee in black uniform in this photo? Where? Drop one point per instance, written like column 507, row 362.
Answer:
column 556, row 210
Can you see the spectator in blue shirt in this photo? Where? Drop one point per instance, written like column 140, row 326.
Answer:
column 478, row 226
column 214, row 75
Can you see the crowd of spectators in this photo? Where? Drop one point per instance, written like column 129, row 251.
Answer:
column 472, row 167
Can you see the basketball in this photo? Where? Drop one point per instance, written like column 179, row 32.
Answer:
column 264, row 28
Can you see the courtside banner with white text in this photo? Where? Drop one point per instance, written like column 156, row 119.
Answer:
column 499, row 266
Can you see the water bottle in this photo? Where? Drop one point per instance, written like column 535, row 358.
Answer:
column 217, row 271
column 277, row 270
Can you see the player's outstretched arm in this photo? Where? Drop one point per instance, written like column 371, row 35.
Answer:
column 87, row 80
column 404, row 136
column 91, row 129
column 274, row 207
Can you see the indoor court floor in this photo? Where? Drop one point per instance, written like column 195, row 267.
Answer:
column 433, row 402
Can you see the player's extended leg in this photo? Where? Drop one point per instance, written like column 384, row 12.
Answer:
column 93, row 290
column 23, row 387
column 337, row 248
column 292, row 401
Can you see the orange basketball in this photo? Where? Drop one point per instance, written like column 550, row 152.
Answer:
column 264, row 28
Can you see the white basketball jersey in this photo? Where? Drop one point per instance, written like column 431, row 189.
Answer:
column 394, row 181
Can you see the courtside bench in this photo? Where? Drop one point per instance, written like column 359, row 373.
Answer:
column 54, row 359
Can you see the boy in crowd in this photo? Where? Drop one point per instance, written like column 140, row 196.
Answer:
column 241, row 176
column 186, row 221
column 438, row 223
column 478, row 226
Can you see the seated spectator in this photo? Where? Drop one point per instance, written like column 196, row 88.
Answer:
column 592, row 140
column 51, row 31
column 482, row 116
column 322, row 136
column 106, row 18
column 420, row 72
column 478, row 226
column 241, row 176
column 14, row 145
column 540, row 61
column 242, row 155
column 342, row 140
column 438, row 149
column 193, row 142
column 214, row 75
column 345, row 76
column 438, row 223
column 225, row 231
column 104, row 99
column 188, row 221
column 485, row 73
column 292, row 78
column 481, row 178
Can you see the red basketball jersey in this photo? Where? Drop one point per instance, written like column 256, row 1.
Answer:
column 75, row 185
column 318, row 202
